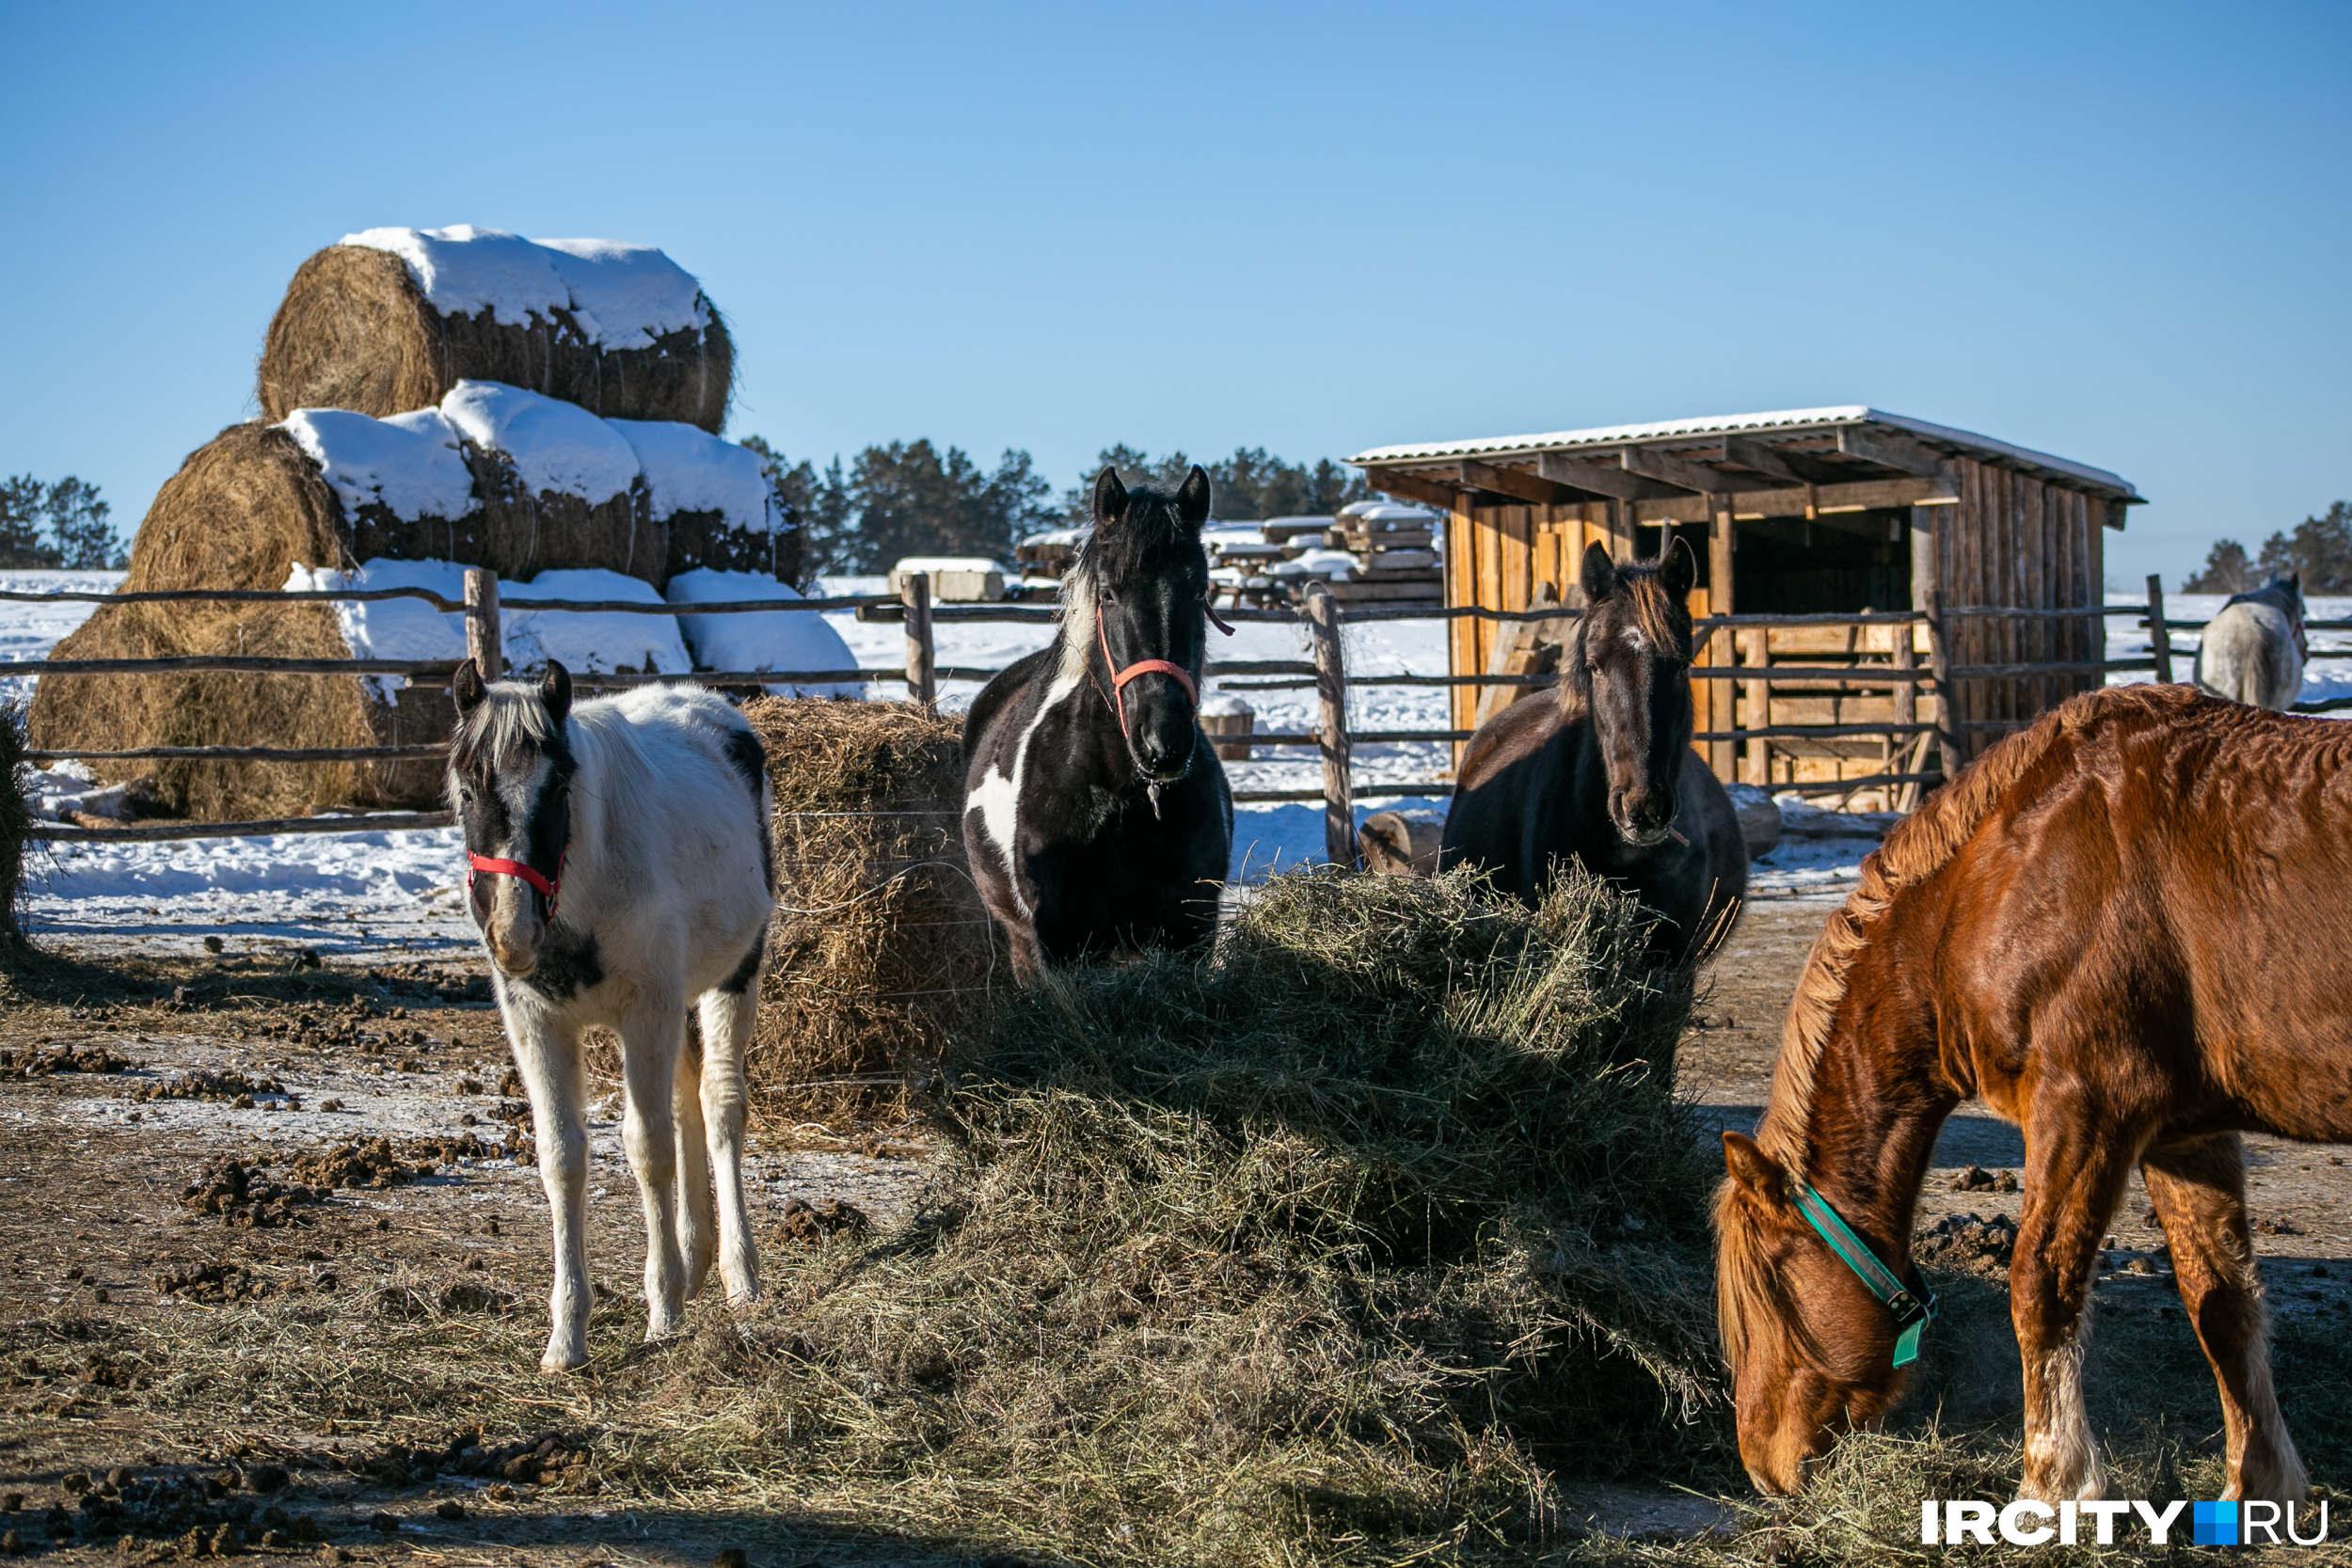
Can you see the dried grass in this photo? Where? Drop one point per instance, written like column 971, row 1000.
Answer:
column 354, row 331
column 881, row 956
column 1335, row 1246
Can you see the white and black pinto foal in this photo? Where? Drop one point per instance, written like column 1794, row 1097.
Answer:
column 1096, row 816
column 619, row 863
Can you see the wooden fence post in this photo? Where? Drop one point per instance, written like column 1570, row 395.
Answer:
column 484, row 643
column 922, row 657
column 1339, row 791
column 1906, row 703
column 2158, row 632
column 1756, row 709
column 1946, row 700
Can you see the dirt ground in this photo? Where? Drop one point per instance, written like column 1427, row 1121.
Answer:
column 348, row 1374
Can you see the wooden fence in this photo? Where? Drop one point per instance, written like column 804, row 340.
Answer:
column 1905, row 734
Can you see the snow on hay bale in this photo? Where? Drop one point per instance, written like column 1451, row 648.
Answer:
column 391, row 319
column 329, row 499
column 880, row 955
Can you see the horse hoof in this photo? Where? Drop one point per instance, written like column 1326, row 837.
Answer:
column 556, row 1363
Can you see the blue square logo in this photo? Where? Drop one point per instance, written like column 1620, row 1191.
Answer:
column 2216, row 1524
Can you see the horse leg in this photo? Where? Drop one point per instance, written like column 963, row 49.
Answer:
column 727, row 1021
column 651, row 1040
column 2199, row 1188
column 2074, row 1181
column 549, row 1063
column 698, row 1227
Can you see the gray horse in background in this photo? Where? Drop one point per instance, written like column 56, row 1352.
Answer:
column 2253, row 651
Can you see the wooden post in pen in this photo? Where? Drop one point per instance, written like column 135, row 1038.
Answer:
column 2158, row 633
column 1946, row 700
column 482, row 644
column 1339, row 790
column 922, row 658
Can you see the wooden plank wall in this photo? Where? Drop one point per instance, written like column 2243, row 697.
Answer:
column 1495, row 555
column 2015, row 541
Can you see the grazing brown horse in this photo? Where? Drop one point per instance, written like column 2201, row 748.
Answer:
column 1602, row 772
column 2128, row 929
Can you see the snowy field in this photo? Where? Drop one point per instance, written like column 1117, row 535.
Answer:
column 374, row 891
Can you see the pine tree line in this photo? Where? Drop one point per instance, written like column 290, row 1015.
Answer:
column 2320, row 549
column 912, row 499
column 49, row 526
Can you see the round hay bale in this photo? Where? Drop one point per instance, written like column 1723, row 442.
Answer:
column 356, row 331
column 881, row 957
column 241, row 511
column 212, row 708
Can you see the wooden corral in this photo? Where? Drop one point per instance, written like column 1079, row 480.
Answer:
column 1815, row 511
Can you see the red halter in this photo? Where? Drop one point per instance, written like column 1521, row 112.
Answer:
column 516, row 869
column 1141, row 667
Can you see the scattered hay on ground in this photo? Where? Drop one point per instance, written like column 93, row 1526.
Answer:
column 1336, row 1246
column 881, row 956
column 356, row 332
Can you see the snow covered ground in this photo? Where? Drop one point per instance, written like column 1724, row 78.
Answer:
column 379, row 891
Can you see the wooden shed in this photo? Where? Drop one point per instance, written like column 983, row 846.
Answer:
column 1809, row 512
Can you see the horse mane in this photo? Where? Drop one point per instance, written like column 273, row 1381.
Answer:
column 509, row 726
column 1125, row 546
column 1920, row 845
column 1659, row 615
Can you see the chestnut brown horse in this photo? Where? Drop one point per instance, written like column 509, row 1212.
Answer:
column 2128, row 929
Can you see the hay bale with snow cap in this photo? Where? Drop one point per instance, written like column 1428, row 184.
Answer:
column 559, row 503
column 391, row 319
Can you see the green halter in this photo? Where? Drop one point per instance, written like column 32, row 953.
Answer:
column 1912, row 1312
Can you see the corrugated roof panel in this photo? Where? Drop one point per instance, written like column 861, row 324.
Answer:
column 1789, row 421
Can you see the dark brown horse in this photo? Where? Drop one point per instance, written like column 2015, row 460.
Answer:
column 2127, row 929
column 1602, row 773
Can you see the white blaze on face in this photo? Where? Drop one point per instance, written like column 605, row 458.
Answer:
column 512, row 925
column 997, row 798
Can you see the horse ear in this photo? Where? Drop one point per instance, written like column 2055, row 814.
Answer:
column 1599, row 574
column 1192, row 498
column 467, row 688
column 1753, row 1169
column 1679, row 570
column 1110, row 496
column 555, row 690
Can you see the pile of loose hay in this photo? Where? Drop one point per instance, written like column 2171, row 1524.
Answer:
column 356, row 332
column 1336, row 1246
column 880, row 955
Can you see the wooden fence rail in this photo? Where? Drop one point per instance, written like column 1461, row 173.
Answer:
column 1320, row 616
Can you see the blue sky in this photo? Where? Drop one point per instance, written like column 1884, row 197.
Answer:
column 2114, row 233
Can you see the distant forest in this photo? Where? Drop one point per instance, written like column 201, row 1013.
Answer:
column 913, row 498
column 2320, row 549
column 45, row 527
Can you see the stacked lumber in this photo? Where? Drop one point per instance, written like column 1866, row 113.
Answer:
column 1395, row 551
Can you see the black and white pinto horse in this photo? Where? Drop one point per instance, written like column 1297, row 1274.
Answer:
column 1096, row 816
column 2253, row 650
column 1601, row 771
column 619, row 864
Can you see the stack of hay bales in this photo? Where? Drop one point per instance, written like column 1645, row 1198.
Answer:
column 389, row 445
column 881, row 957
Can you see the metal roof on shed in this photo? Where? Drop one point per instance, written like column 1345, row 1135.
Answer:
column 1790, row 422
